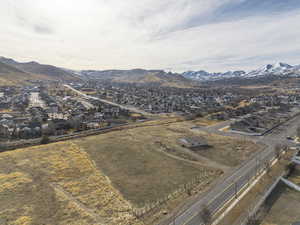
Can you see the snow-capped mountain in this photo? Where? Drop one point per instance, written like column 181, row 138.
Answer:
column 206, row 76
column 297, row 67
column 277, row 69
column 272, row 69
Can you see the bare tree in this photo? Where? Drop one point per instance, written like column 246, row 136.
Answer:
column 206, row 216
column 268, row 167
column 278, row 149
column 44, row 140
column 290, row 168
column 3, row 147
column 252, row 220
column 298, row 132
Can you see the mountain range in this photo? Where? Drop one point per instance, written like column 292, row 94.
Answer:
column 13, row 73
column 11, row 76
column 277, row 69
column 21, row 72
column 41, row 70
column 139, row 76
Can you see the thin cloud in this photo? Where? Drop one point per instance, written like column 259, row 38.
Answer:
column 178, row 34
column 41, row 29
column 241, row 9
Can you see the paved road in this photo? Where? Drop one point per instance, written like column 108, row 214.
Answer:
column 130, row 108
column 226, row 189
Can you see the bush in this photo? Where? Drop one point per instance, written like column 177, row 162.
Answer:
column 3, row 147
column 290, row 168
column 298, row 131
column 278, row 149
column 206, row 216
column 45, row 140
column 253, row 221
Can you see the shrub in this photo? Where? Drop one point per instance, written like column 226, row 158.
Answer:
column 45, row 140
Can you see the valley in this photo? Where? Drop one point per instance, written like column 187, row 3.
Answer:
column 181, row 112
column 134, row 146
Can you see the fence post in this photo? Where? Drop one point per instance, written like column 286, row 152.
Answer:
column 249, row 179
column 235, row 189
column 256, row 167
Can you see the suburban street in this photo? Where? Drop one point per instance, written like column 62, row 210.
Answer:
column 226, row 189
column 130, row 108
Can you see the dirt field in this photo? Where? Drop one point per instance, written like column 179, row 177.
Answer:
column 285, row 209
column 228, row 151
column 57, row 184
column 223, row 150
column 99, row 179
column 134, row 157
column 240, row 211
column 284, row 204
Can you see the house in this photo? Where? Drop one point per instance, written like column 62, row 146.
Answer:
column 60, row 125
column 193, row 142
column 93, row 125
column 7, row 117
column 98, row 116
column 5, row 131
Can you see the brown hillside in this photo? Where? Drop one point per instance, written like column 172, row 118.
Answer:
column 45, row 71
column 10, row 75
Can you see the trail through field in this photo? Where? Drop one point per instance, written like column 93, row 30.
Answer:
column 202, row 161
column 99, row 220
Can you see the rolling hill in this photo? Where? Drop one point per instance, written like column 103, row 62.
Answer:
column 10, row 75
column 140, row 76
column 34, row 70
column 44, row 71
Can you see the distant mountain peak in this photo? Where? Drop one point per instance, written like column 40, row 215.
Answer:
column 278, row 69
column 33, row 62
column 203, row 75
column 7, row 60
column 280, row 64
column 277, row 65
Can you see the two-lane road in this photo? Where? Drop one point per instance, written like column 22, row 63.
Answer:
column 224, row 191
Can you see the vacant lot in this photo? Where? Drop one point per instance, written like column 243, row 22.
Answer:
column 132, row 158
column 136, row 164
column 57, row 184
column 284, row 204
column 98, row 179
column 228, row 151
column 285, row 207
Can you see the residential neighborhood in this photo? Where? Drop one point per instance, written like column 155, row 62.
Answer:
column 51, row 109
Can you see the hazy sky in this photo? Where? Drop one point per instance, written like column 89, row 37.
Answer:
column 178, row 35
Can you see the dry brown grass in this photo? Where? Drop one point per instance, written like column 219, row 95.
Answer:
column 224, row 150
column 285, row 207
column 284, row 204
column 205, row 122
column 134, row 161
column 249, row 201
column 98, row 179
column 130, row 158
column 18, row 79
column 58, row 184
column 296, row 176
column 228, row 151
column 255, row 86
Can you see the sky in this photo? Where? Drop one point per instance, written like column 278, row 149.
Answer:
column 174, row 35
